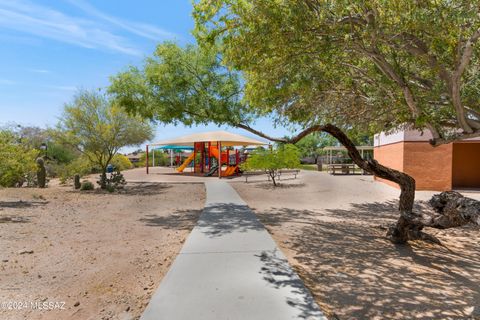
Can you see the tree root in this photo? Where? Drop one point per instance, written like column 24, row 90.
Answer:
column 451, row 210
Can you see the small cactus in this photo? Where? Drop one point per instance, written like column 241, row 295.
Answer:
column 41, row 173
column 87, row 185
column 76, row 181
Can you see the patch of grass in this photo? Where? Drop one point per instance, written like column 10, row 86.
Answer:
column 312, row 167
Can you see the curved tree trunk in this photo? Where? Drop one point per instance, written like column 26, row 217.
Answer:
column 406, row 227
column 452, row 209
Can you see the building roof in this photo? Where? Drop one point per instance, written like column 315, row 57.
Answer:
column 406, row 135
column 226, row 139
column 342, row 148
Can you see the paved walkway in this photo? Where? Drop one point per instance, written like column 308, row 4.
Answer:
column 230, row 268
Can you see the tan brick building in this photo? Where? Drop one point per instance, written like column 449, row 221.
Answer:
column 446, row 167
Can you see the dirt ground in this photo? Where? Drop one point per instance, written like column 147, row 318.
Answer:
column 332, row 229
column 89, row 254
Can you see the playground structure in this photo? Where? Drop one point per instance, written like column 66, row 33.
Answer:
column 214, row 153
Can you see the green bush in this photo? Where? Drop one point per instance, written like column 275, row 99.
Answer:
column 80, row 166
column 17, row 160
column 113, row 181
column 87, row 185
column 60, row 153
column 121, row 162
column 161, row 159
column 284, row 157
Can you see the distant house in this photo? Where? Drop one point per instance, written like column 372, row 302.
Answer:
column 134, row 157
column 441, row 168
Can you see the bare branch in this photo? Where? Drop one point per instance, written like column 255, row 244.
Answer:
column 467, row 54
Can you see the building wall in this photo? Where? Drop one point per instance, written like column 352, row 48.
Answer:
column 466, row 165
column 390, row 155
column 439, row 168
column 431, row 167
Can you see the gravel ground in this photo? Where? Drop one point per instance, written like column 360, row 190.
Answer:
column 90, row 254
column 332, row 229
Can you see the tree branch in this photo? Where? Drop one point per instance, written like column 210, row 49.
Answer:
column 467, row 53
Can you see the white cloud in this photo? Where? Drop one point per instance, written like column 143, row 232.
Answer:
column 39, row 70
column 141, row 29
column 45, row 22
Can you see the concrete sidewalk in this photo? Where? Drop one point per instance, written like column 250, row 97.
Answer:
column 230, row 268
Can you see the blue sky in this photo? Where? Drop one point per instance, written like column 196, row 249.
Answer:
column 49, row 49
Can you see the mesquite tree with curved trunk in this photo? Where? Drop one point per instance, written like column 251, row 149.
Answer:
column 406, row 228
column 452, row 209
column 192, row 86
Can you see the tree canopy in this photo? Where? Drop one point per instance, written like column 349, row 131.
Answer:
column 99, row 128
column 182, row 85
column 331, row 66
column 271, row 161
column 380, row 64
column 18, row 159
column 312, row 145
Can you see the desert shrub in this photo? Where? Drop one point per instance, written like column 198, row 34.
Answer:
column 121, row 162
column 60, row 153
column 161, row 159
column 114, row 181
column 17, row 160
column 271, row 161
column 87, row 185
column 81, row 166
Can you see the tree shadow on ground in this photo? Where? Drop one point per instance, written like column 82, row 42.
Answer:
column 355, row 272
column 179, row 220
column 132, row 189
column 280, row 185
column 21, row 204
column 144, row 188
column 278, row 273
column 224, row 218
column 14, row 219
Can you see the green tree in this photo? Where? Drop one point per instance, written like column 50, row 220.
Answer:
column 17, row 160
column 401, row 62
column 372, row 65
column 161, row 158
column 145, row 92
column 312, row 145
column 121, row 162
column 181, row 85
column 98, row 128
column 314, row 92
column 271, row 161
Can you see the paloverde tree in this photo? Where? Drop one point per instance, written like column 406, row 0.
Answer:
column 99, row 128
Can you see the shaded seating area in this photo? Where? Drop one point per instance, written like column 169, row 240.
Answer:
column 339, row 163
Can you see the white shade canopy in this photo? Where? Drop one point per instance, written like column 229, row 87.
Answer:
column 224, row 137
